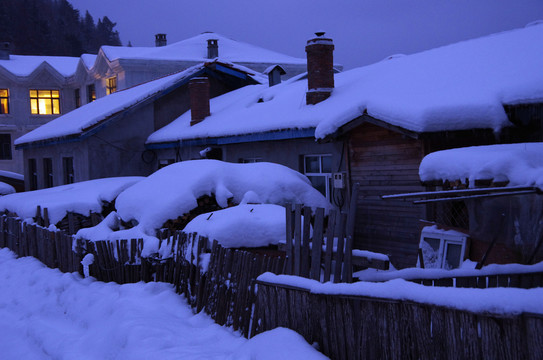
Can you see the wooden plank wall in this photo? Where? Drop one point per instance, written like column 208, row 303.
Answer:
column 357, row 327
column 385, row 162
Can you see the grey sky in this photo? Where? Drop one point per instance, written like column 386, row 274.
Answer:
column 364, row 31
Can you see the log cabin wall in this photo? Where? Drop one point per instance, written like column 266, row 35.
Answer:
column 386, row 162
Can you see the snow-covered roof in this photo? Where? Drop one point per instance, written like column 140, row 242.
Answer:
column 81, row 197
column 88, row 60
column 24, row 65
column 78, row 121
column 517, row 164
column 455, row 87
column 195, row 49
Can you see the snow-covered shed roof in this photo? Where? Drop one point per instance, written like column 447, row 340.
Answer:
column 86, row 118
column 25, row 65
column 195, row 49
column 514, row 164
column 455, row 87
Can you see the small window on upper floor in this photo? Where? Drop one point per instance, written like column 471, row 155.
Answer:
column 4, row 101
column 111, row 86
column 5, row 147
column 44, row 102
column 77, row 96
column 91, row 93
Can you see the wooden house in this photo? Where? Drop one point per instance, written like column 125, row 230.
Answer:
column 377, row 123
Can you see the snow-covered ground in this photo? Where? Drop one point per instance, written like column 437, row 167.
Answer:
column 45, row 314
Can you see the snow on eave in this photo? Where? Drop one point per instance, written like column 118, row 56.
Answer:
column 26, row 65
column 512, row 164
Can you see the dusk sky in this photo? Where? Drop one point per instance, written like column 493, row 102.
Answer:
column 364, row 31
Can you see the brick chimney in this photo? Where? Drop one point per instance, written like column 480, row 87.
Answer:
column 212, row 48
column 160, row 40
column 320, row 68
column 4, row 51
column 199, row 99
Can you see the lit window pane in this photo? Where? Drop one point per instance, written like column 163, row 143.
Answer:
column 34, row 106
column 56, row 106
column 326, row 164
column 33, row 93
column 3, row 92
column 44, row 106
column 312, row 164
column 54, row 93
column 4, row 106
column 44, row 93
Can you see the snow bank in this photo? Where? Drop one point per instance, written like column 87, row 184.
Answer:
column 6, row 189
column 172, row 191
column 47, row 314
column 519, row 164
column 242, row 226
column 494, row 300
column 12, row 175
column 81, row 198
column 279, row 343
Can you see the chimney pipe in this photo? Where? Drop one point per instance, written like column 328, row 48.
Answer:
column 160, row 40
column 199, row 99
column 320, row 68
column 212, row 48
column 4, row 50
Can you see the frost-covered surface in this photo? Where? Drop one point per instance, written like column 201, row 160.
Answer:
column 45, row 314
column 519, row 164
column 81, row 198
column 247, row 225
column 24, row 65
column 370, row 255
column 173, row 191
column 467, row 269
column 493, row 300
column 460, row 86
column 13, row 175
column 6, row 189
column 195, row 49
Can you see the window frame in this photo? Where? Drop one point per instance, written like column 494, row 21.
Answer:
column 68, row 172
column 111, row 85
column 47, row 172
column 77, row 97
column 445, row 237
column 8, row 154
column 91, row 93
column 33, row 174
column 327, row 175
column 41, row 100
column 4, row 101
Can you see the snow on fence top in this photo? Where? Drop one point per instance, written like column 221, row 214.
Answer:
column 518, row 164
column 82, row 198
column 173, row 191
column 195, row 49
column 455, row 87
column 492, row 300
column 24, row 65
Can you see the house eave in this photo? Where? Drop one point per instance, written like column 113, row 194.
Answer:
column 237, row 139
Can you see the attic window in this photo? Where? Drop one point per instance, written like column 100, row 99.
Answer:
column 44, row 102
column 4, row 101
column 111, row 85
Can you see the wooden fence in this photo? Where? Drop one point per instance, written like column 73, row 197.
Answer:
column 520, row 280
column 224, row 289
column 357, row 327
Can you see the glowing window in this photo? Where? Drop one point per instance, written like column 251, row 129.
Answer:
column 111, row 85
column 4, row 103
column 44, row 102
